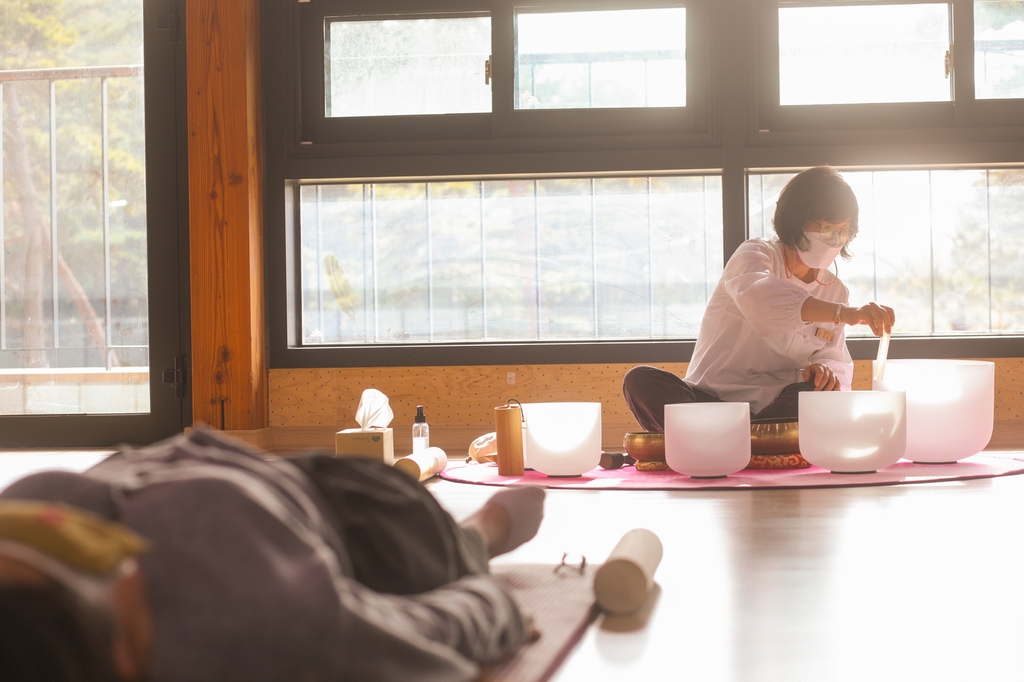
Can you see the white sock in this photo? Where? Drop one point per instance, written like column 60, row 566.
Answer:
column 525, row 507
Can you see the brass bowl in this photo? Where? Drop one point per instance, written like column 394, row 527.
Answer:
column 774, row 437
column 645, row 446
column 768, row 437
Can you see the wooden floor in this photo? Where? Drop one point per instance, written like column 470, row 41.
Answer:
column 917, row 582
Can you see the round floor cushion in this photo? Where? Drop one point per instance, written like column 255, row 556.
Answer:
column 651, row 465
column 778, row 462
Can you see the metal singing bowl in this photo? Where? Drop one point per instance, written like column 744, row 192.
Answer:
column 774, row 437
column 645, row 446
column 767, row 437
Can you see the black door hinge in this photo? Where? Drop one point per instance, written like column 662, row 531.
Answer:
column 176, row 376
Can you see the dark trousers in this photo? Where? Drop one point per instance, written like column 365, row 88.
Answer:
column 398, row 538
column 648, row 390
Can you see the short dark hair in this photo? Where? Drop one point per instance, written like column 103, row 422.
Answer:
column 49, row 635
column 818, row 193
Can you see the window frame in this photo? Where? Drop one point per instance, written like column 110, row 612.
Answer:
column 979, row 119
column 505, row 126
column 775, row 116
column 658, row 120
column 318, row 127
column 167, row 262
column 732, row 140
column 298, row 306
column 973, row 111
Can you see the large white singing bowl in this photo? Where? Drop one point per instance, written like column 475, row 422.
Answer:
column 853, row 432
column 950, row 406
column 562, row 439
column 707, row 440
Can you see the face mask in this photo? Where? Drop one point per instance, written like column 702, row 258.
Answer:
column 82, row 551
column 820, row 254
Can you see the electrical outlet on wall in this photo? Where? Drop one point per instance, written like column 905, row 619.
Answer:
column 510, row 378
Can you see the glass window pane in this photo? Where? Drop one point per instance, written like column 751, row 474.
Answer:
column 1005, row 219
column 74, row 327
column 565, row 257
column 586, row 60
column 455, row 247
column 509, row 260
column 403, row 67
column 510, row 276
column 944, row 248
column 686, row 251
column 333, row 262
column 866, row 53
column 999, row 50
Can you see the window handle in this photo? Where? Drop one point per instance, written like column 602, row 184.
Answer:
column 487, row 71
column 949, row 61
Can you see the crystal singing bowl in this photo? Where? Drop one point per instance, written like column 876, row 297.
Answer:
column 707, row 440
column 562, row 439
column 950, row 406
column 853, row 431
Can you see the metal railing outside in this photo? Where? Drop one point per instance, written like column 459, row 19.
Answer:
column 51, row 76
column 528, row 63
column 314, row 287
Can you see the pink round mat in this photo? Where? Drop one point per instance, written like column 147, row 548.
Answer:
column 982, row 465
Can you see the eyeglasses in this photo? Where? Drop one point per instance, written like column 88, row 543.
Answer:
column 572, row 564
column 833, row 234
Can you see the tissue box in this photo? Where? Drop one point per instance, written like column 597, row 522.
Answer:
column 372, row 443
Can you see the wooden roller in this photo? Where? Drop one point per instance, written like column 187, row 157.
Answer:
column 424, row 464
column 623, row 582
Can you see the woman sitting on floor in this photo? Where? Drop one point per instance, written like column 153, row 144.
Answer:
column 194, row 559
column 776, row 322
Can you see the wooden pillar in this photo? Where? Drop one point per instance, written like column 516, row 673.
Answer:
column 229, row 367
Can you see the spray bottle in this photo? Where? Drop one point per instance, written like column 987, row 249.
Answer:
column 420, row 431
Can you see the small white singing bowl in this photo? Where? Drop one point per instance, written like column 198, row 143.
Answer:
column 707, row 440
column 950, row 406
column 853, row 432
column 562, row 439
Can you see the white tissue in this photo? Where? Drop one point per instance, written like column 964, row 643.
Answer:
column 374, row 411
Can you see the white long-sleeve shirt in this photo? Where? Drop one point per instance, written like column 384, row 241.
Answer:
column 753, row 342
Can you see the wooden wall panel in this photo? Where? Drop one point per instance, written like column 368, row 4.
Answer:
column 308, row 405
column 1009, row 389
column 229, row 375
column 451, row 395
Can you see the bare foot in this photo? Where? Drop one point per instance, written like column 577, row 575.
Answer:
column 510, row 518
column 492, row 522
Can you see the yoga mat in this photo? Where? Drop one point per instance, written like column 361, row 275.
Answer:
column 561, row 604
column 982, row 465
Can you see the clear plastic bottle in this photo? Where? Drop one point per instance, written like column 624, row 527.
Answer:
column 420, row 431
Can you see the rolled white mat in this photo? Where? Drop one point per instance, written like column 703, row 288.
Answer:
column 423, row 464
column 622, row 583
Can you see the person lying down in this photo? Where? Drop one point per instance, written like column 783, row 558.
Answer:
column 196, row 559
